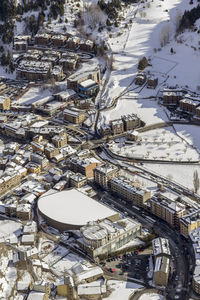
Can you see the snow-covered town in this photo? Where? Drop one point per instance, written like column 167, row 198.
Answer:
column 99, row 149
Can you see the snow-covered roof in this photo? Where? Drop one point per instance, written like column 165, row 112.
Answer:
column 87, row 83
column 72, row 207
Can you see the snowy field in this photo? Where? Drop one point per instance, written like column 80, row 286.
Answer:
column 122, row 289
column 144, row 39
column 189, row 133
column 147, row 110
column 182, row 174
column 159, row 144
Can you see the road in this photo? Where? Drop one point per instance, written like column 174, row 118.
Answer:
column 123, row 162
column 180, row 282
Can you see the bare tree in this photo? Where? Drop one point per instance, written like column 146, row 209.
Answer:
column 196, row 181
column 169, row 177
column 93, row 16
column 164, row 35
column 177, row 19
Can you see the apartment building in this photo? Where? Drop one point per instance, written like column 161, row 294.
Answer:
column 21, row 42
column 50, row 151
column 33, row 167
column 85, row 72
column 66, row 288
column 189, row 222
column 88, row 88
column 77, row 180
column 188, row 105
column 68, row 64
column 152, row 82
column 23, row 211
column 172, row 96
column 65, row 96
column 132, row 135
column 40, row 159
column 124, row 188
column 7, row 182
column 117, row 126
column 4, row 103
column 103, row 173
column 140, row 78
column 195, row 240
column 84, row 166
column 73, row 42
column 86, row 45
column 106, row 236
column 131, row 121
column 168, row 207
column 196, row 279
column 33, row 55
column 34, row 70
column 58, row 40
column 161, row 271
column 60, row 141
column 161, row 247
column 37, row 147
column 42, row 38
column 74, row 116
column 92, row 291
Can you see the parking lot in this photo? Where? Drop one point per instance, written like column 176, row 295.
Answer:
column 130, row 265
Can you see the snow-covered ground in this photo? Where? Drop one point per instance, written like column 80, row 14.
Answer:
column 182, row 174
column 8, row 274
column 55, row 255
column 152, row 21
column 153, row 296
column 190, row 133
column 9, row 228
column 122, row 289
column 158, row 144
column 34, row 94
column 66, row 263
column 147, row 110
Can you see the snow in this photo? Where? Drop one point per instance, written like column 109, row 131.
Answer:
column 32, row 95
column 151, row 296
column 158, row 144
column 122, row 289
column 72, row 207
column 143, row 39
column 66, row 263
column 55, row 255
column 147, row 110
column 182, row 174
column 9, row 228
column 190, row 133
column 8, row 275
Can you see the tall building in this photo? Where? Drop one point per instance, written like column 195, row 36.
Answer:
column 106, row 236
column 117, row 126
column 161, row 247
column 161, row 271
column 85, row 166
column 131, row 121
column 74, row 116
column 124, row 188
column 168, row 207
column 189, row 222
column 103, row 173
